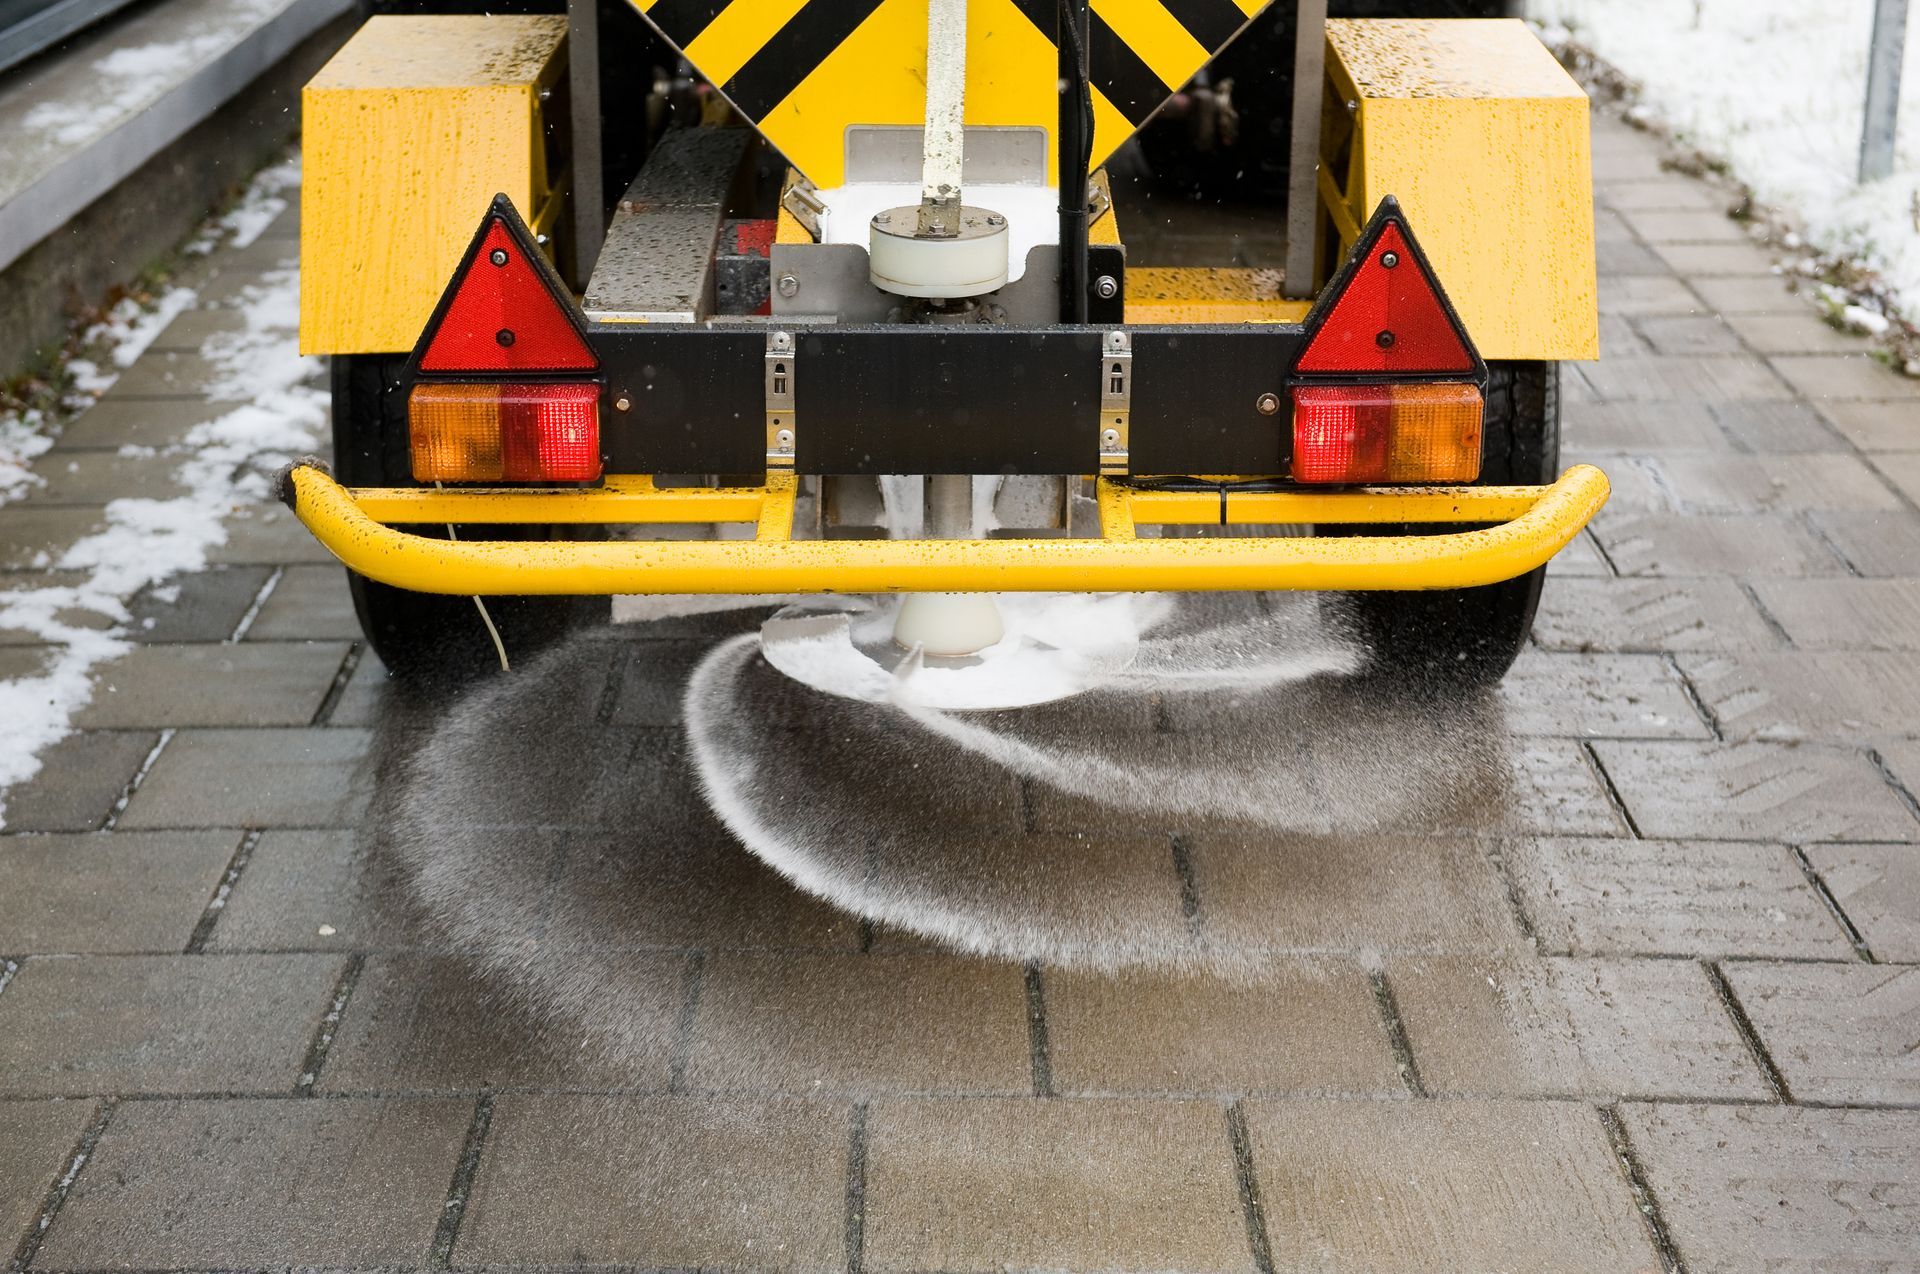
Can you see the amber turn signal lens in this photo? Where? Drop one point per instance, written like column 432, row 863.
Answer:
column 504, row 433
column 1386, row 433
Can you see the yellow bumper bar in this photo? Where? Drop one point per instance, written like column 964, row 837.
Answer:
column 1533, row 523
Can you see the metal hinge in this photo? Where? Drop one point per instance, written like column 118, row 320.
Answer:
column 780, row 421
column 1116, row 400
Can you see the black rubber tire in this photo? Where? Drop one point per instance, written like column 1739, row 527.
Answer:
column 1468, row 637
column 428, row 634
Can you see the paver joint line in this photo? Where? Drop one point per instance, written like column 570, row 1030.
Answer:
column 460, row 1189
column 1900, row 789
column 323, row 1036
column 216, row 905
column 120, row 803
column 856, row 1217
column 1189, row 884
column 62, row 1187
column 349, row 662
column 1750, row 1036
column 682, row 1053
column 1815, row 879
column 259, row 602
column 1607, row 784
column 1396, row 1029
column 1037, row 1037
column 1248, row 1182
column 1643, row 1195
column 1707, row 714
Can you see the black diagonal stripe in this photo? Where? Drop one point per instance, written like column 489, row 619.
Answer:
column 1044, row 14
column 1117, row 71
column 1210, row 22
column 794, row 51
column 682, row 21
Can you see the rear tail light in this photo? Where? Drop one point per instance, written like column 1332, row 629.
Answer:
column 505, row 432
column 1386, row 433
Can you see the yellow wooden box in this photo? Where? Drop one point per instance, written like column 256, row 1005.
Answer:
column 409, row 131
column 1484, row 139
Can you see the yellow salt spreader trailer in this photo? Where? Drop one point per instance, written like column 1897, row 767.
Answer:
column 835, row 298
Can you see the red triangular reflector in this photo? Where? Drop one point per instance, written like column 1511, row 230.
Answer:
column 1388, row 318
column 504, row 316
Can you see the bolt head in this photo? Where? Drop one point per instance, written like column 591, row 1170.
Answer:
column 623, row 403
column 782, row 340
column 498, row 256
column 788, row 285
column 1267, row 404
column 784, row 438
column 1389, row 259
column 1384, row 339
column 504, row 337
column 1106, row 287
column 1110, row 438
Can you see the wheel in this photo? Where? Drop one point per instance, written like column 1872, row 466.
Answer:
column 420, row 634
column 1468, row 636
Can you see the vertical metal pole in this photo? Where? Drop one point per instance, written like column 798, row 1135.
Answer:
column 942, row 150
column 583, row 93
column 1303, row 162
column 1072, row 142
column 1883, row 88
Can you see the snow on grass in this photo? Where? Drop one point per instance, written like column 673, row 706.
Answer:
column 1776, row 90
column 225, row 465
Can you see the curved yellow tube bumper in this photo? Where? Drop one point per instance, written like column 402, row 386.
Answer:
column 1534, row 524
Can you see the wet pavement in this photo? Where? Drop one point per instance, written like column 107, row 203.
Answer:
column 1611, row 972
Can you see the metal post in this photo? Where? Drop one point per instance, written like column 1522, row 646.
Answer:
column 583, row 92
column 1883, row 88
column 1072, row 141
column 1303, row 162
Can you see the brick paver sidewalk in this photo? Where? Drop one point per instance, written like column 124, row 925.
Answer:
column 1654, row 1006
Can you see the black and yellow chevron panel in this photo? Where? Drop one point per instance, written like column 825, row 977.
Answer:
column 803, row 70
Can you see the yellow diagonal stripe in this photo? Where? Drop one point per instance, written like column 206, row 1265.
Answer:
column 737, row 34
column 1156, row 36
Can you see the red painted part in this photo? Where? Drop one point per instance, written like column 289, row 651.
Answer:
column 754, row 238
column 504, row 318
column 1388, row 319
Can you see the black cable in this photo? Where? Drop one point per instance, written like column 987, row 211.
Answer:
column 1074, row 138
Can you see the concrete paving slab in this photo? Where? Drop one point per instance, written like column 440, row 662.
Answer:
column 1794, row 334
column 1598, row 696
column 1751, row 295
column 1633, row 295
column 1580, row 557
column 37, row 1142
column 1743, row 1188
column 191, row 329
column 310, row 603
column 113, row 423
column 1663, row 192
column 1685, row 334
column 1637, row 483
column 1627, row 258
column 1840, row 1033
column 1709, row 260
column 661, row 1183
column 1875, row 426
column 1655, row 379
column 1845, row 614
column 108, row 891
column 219, row 684
column 1671, row 545
column 81, row 1025
column 1790, row 428
column 1681, row 225
column 316, row 891
column 723, row 897
column 1357, row 893
column 1063, row 1184
column 1650, row 615
column 1619, row 338
column 419, row 1023
column 1627, row 164
column 17, row 588
column 229, row 1184
column 1671, row 898
column 97, row 477
column 1878, row 887
column 34, row 537
column 1296, row 1026
column 1794, row 695
column 255, row 778
column 1824, row 377
column 81, row 778
column 1465, row 1184
column 1754, row 791
column 820, row 1024
column 1902, row 469
column 203, row 606
column 1571, row 1028
column 165, row 374
column 1763, row 484
column 1633, row 427
column 268, row 533
column 367, row 694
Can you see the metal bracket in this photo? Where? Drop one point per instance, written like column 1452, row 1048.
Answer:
column 804, row 202
column 1116, row 400
column 780, row 414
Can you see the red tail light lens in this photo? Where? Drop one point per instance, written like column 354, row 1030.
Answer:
column 504, row 316
column 1386, row 433
column 505, row 433
column 1388, row 318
